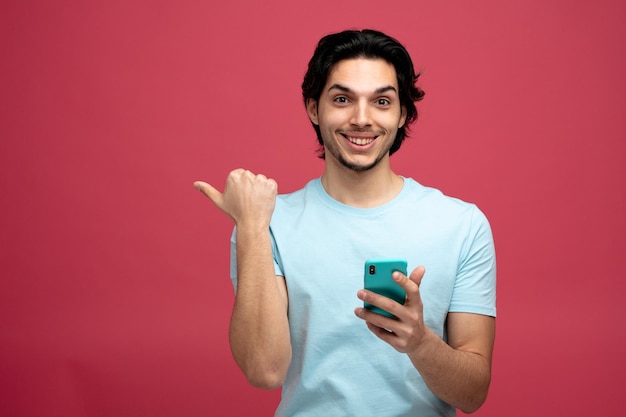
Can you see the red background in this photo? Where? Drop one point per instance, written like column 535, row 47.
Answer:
column 115, row 297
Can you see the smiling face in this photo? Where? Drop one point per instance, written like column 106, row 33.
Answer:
column 358, row 113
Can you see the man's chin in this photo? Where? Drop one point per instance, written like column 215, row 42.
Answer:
column 359, row 166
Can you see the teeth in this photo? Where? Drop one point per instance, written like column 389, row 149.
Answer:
column 360, row 141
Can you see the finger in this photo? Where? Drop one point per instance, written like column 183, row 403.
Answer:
column 402, row 280
column 376, row 300
column 385, row 334
column 209, row 191
column 417, row 275
column 374, row 319
column 411, row 285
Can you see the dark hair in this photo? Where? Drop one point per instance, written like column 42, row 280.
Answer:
column 365, row 43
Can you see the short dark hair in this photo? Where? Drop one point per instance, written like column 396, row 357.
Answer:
column 364, row 43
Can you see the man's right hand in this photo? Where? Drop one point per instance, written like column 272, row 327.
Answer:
column 259, row 327
column 248, row 199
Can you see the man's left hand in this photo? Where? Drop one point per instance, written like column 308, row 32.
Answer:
column 407, row 331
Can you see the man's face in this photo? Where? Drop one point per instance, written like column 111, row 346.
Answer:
column 358, row 112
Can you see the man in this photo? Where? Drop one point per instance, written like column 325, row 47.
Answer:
column 298, row 258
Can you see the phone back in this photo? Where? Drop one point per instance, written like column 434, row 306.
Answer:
column 377, row 278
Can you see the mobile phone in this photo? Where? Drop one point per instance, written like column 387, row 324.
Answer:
column 377, row 278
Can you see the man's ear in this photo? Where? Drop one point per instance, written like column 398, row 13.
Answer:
column 311, row 109
column 402, row 117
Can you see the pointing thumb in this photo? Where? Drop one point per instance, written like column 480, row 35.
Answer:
column 209, row 191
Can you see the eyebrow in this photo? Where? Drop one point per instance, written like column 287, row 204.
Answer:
column 380, row 90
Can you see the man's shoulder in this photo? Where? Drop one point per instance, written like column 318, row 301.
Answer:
column 292, row 203
column 299, row 194
column 440, row 212
column 432, row 195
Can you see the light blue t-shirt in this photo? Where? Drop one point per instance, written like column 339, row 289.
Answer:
column 339, row 368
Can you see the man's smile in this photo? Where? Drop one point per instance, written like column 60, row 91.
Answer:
column 358, row 138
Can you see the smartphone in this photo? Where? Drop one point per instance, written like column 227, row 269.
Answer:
column 377, row 278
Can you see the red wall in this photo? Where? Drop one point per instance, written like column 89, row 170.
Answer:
column 114, row 292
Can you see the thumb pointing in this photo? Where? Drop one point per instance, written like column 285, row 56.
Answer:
column 209, row 191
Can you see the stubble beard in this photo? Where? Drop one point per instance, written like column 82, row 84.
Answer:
column 333, row 149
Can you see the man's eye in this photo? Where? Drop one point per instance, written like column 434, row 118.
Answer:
column 383, row 102
column 341, row 100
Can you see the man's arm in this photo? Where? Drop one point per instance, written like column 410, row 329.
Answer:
column 259, row 330
column 458, row 372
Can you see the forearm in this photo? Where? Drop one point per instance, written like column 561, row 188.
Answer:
column 460, row 378
column 259, row 330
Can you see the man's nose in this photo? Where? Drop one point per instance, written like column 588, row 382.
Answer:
column 362, row 114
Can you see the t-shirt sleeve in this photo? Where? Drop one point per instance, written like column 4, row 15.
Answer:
column 475, row 286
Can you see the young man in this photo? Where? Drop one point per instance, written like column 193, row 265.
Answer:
column 298, row 259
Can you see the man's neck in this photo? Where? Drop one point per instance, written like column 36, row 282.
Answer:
column 362, row 189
